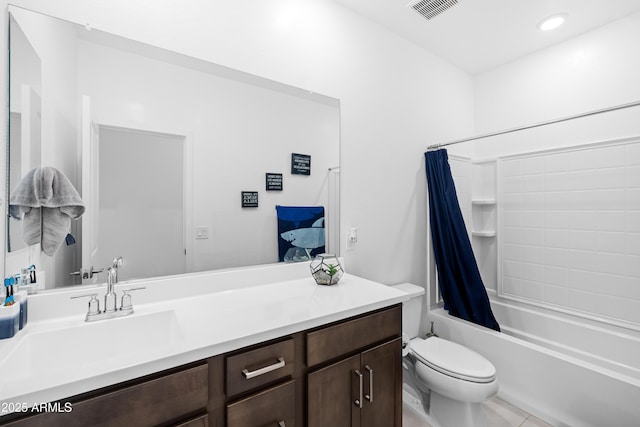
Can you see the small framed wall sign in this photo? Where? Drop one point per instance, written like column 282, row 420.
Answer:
column 249, row 199
column 300, row 164
column 273, row 181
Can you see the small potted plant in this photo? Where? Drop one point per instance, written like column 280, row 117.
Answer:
column 326, row 269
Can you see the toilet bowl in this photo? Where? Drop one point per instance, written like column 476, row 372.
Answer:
column 457, row 378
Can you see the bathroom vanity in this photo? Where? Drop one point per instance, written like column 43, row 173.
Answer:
column 283, row 353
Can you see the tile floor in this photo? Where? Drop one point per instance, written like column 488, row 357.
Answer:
column 499, row 414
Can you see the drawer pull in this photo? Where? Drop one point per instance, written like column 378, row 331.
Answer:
column 369, row 396
column 358, row 401
column 252, row 374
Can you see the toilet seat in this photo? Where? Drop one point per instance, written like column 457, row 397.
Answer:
column 453, row 360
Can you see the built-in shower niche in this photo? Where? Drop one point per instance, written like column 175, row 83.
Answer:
column 476, row 188
column 484, row 220
column 484, row 217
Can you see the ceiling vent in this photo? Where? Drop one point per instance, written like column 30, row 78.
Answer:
column 429, row 9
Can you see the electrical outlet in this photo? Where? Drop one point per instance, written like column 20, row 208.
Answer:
column 352, row 238
column 202, row 232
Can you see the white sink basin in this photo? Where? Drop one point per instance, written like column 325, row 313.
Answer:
column 92, row 346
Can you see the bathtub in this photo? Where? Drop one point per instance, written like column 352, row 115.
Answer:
column 566, row 371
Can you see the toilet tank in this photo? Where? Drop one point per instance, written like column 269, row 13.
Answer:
column 412, row 308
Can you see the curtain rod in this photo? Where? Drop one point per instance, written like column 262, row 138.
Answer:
column 535, row 125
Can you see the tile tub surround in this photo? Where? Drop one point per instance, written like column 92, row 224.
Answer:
column 571, row 231
column 192, row 317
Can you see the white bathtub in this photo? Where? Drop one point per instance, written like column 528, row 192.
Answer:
column 565, row 371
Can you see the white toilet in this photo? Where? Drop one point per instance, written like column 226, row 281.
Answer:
column 458, row 379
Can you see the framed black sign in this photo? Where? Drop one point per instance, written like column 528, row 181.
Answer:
column 300, row 164
column 249, row 199
column 273, row 181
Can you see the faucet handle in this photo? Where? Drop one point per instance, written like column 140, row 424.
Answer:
column 125, row 302
column 94, row 304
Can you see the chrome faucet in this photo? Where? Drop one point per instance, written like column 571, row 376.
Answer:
column 110, row 301
column 110, row 304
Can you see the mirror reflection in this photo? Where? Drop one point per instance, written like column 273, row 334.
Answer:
column 24, row 117
column 160, row 147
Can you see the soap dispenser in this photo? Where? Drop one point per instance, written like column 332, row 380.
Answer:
column 9, row 311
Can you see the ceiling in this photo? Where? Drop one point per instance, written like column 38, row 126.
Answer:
column 478, row 35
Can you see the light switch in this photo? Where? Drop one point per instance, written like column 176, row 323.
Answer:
column 202, row 232
column 352, row 238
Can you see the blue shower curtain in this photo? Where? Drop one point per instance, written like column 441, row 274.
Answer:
column 461, row 286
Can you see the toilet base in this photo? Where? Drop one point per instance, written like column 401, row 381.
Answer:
column 447, row 412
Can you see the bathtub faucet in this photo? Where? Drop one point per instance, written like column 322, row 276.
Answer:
column 431, row 333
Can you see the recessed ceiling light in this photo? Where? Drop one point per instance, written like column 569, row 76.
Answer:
column 552, row 22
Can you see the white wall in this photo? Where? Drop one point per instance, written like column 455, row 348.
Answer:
column 25, row 66
column 56, row 47
column 395, row 99
column 596, row 70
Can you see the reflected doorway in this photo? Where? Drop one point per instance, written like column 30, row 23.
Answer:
column 141, row 195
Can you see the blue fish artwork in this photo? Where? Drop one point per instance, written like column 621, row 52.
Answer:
column 301, row 233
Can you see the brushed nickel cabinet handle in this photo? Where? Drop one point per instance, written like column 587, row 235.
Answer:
column 252, row 374
column 369, row 396
column 358, row 401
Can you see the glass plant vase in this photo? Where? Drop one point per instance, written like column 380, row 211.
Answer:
column 326, row 269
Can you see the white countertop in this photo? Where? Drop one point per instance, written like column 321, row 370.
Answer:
column 55, row 357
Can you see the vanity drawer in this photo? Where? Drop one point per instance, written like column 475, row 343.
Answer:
column 255, row 368
column 272, row 407
column 347, row 337
column 157, row 401
column 200, row 421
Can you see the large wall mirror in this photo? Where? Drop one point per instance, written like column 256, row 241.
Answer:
column 160, row 146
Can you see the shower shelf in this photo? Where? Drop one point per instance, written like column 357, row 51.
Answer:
column 484, row 233
column 483, row 201
column 484, row 217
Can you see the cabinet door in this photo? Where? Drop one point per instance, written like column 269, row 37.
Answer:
column 332, row 395
column 382, row 371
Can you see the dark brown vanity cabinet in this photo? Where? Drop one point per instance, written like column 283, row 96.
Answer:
column 362, row 383
column 347, row 373
column 177, row 398
column 257, row 375
column 358, row 391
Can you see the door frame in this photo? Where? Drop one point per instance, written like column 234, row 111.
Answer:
column 187, row 160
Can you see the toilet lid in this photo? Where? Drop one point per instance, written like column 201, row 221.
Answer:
column 453, row 359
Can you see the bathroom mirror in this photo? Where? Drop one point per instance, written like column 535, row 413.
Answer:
column 160, row 146
column 25, row 114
